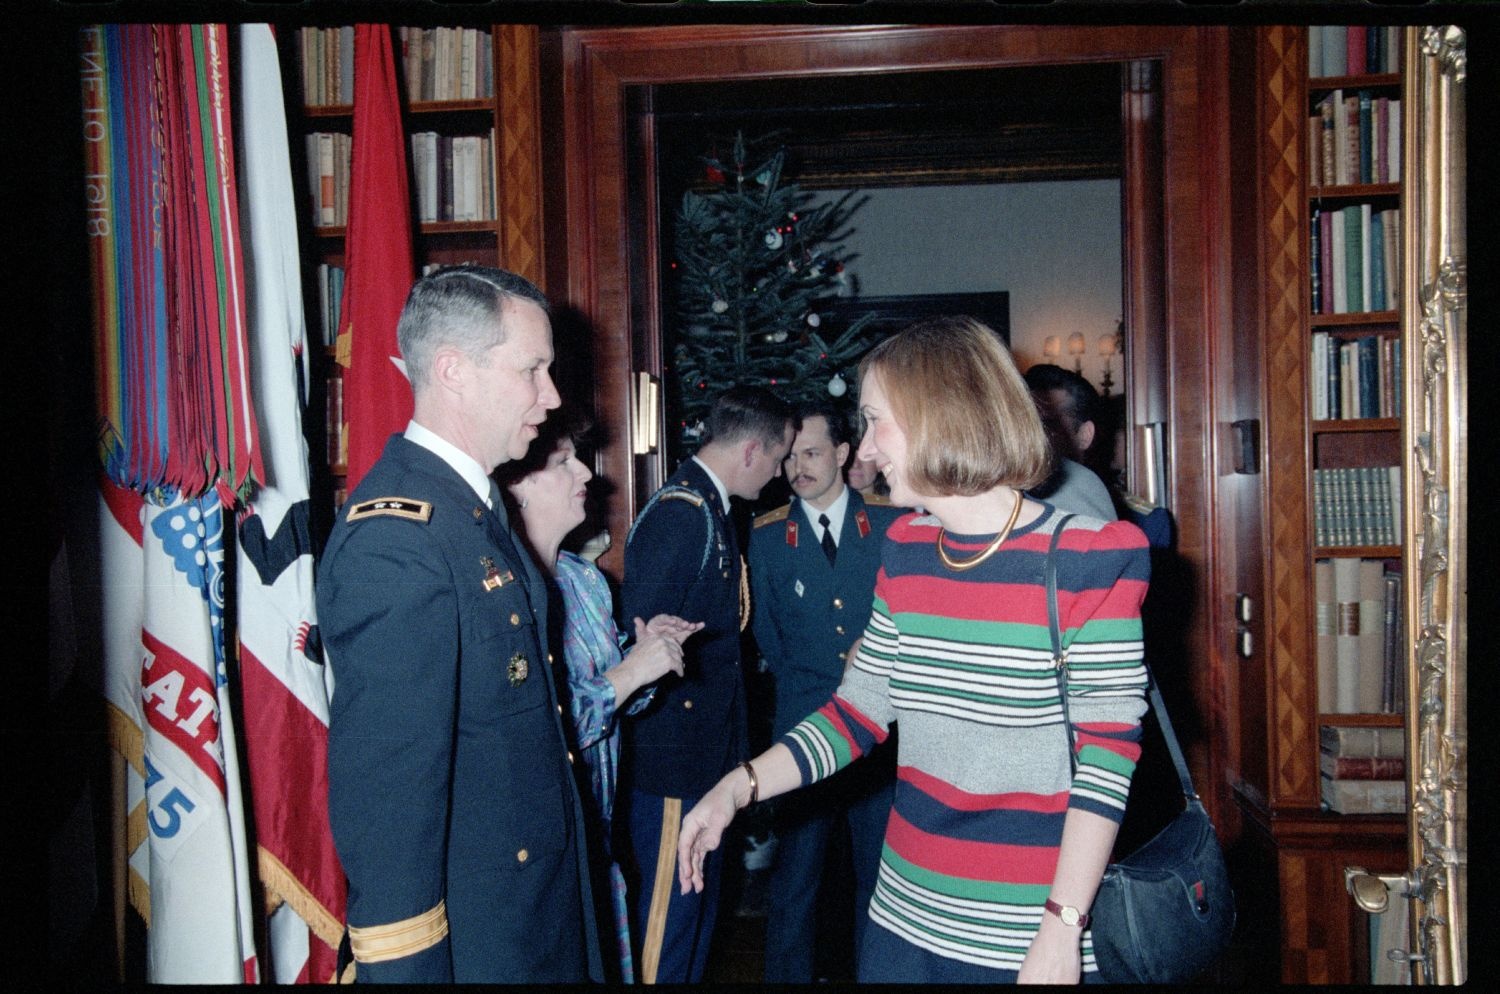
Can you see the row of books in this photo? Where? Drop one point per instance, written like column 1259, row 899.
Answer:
column 1355, row 377
column 330, row 301
column 1362, row 770
column 454, row 176
column 328, row 156
column 1360, row 646
column 327, row 66
column 1356, row 505
column 1354, row 138
column 1353, row 50
column 447, row 63
column 1356, row 259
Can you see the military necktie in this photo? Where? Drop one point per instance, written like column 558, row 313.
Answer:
column 830, row 547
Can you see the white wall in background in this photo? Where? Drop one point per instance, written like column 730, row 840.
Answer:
column 1055, row 247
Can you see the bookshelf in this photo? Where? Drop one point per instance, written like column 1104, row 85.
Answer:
column 1332, row 196
column 466, row 93
column 1354, row 345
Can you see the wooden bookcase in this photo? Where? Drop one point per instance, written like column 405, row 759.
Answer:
column 1322, row 935
column 504, row 112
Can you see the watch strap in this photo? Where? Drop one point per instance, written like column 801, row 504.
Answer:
column 1064, row 912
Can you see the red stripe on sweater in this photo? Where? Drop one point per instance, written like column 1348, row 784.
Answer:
column 1120, row 747
column 967, row 599
column 970, row 860
column 961, row 800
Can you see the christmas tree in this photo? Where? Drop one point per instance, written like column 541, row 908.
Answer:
column 757, row 263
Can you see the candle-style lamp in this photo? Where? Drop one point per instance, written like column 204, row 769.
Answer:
column 1078, row 346
column 1109, row 347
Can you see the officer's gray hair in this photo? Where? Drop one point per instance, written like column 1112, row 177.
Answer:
column 461, row 306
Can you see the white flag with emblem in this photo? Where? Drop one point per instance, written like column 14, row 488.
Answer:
column 201, row 927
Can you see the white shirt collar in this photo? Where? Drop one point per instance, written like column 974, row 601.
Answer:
column 718, row 483
column 462, row 463
column 835, row 512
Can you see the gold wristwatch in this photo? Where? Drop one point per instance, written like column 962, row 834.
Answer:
column 1069, row 915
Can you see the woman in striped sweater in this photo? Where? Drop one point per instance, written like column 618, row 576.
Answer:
column 995, row 846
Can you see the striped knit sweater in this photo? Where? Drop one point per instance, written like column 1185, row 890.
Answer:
column 963, row 662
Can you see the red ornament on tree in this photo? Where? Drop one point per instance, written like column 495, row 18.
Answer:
column 714, row 174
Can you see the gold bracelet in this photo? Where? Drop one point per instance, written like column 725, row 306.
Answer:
column 754, row 784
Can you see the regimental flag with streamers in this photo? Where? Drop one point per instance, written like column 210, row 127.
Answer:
column 178, row 443
column 285, row 686
column 170, row 716
column 378, row 251
column 168, row 281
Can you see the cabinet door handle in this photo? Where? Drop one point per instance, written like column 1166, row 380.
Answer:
column 1372, row 891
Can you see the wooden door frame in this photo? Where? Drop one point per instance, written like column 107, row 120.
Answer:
column 1175, row 351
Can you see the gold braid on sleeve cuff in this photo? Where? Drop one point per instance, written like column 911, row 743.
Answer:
column 378, row 943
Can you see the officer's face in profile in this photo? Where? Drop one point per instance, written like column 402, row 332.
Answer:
column 514, row 389
column 812, row 467
column 765, row 465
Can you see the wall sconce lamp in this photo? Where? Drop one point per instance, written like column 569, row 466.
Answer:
column 1109, row 347
column 644, row 414
column 1077, row 347
column 1052, row 347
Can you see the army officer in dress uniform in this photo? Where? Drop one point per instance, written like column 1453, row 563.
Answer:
column 682, row 558
column 451, row 795
column 812, row 577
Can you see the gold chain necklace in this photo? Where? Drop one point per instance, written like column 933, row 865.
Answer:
column 959, row 566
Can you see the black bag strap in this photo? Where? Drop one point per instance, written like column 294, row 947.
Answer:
column 1060, row 663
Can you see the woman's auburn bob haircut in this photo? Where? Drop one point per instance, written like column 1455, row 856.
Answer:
column 970, row 422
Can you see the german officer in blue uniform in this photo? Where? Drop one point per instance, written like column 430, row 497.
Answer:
column 451, row 796
column 812, row 570
column 682, row 558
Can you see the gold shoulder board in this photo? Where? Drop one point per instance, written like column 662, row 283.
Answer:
column 770, row 517
column 878, row 500
column 692, row 499
column 392, row 507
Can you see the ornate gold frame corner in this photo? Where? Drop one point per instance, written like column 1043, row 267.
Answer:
column 1435, row 304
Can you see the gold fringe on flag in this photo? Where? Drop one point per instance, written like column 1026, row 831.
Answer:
column 125, row 738
column 280, row 882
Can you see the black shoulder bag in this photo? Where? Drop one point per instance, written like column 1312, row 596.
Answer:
column 1164, row 913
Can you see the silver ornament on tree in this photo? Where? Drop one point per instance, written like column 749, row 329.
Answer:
column 719, row 306
column 813, row 320
column 774, row 239
column 836, row 386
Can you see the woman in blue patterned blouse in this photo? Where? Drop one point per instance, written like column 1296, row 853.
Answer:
column 548, row 488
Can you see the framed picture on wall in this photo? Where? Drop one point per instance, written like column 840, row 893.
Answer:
column 895, row 311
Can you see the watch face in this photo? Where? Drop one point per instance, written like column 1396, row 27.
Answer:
column 1069, row 915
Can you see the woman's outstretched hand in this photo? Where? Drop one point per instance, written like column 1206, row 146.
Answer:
column 703, row 828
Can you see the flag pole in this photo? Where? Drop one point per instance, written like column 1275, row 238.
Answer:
column 119, row 858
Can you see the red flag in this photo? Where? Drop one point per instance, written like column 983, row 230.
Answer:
column 378, row 258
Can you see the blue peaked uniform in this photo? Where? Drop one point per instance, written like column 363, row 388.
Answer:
column 681, row 558
column 451, row 794
column 807, row 612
